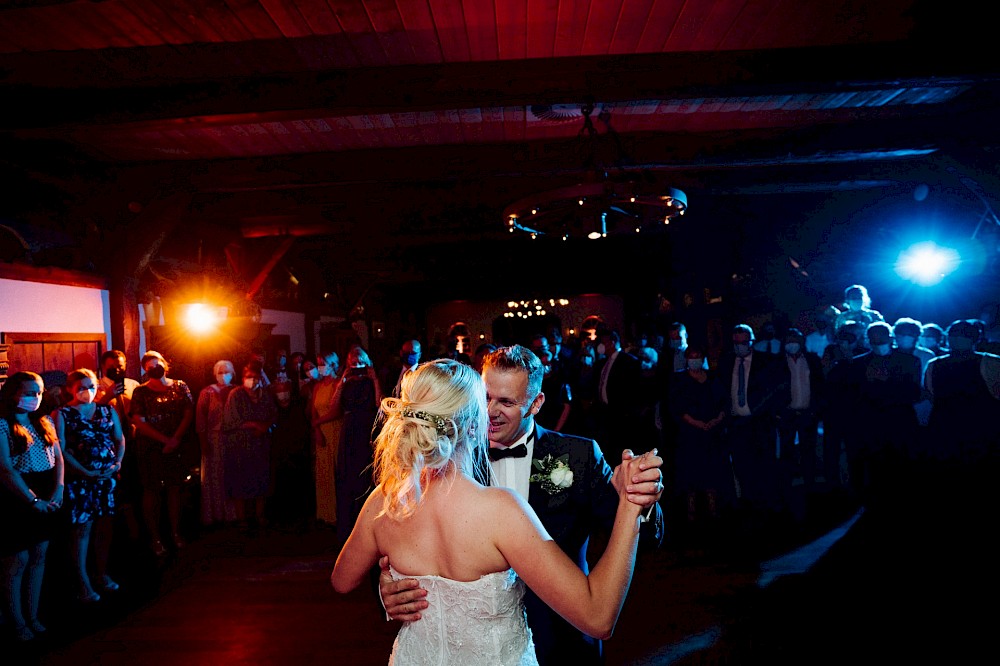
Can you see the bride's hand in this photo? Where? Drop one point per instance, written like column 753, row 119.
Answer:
column 639, row 477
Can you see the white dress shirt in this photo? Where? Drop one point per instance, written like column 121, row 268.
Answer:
column 799, row 369
column 515, row 473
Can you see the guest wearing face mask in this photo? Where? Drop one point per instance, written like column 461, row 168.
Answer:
column 558, row 405
column 392, row 374
column 768, row 342
column 583, row 386
column 932, row 338
column 162, row 411
column 31, row 492
column 216, row 505
column 888, row 387
column 849, row 341
column 246, row 443
column 310, row 375
column 798, row 421
column 965, row 393
column 839, row 415
column 326, row 426
column 755, row 390
column 857, row 308
column 356, row 401
column 93, row 447
column 701, row 470
column 907, row 333
column 114, row 388
column 677, row 339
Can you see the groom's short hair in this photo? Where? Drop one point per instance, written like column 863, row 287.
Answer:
column 517, row 357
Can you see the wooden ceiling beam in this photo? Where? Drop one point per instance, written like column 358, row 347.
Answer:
column 48, row 101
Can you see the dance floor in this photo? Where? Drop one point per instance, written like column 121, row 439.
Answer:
column 847, row 584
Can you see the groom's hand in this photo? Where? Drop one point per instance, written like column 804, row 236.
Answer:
column 645, row 486
column 403, row 599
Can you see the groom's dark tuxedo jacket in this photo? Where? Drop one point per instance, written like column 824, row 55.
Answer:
column 571, row 516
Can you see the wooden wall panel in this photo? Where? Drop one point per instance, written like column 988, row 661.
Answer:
column 38, row 352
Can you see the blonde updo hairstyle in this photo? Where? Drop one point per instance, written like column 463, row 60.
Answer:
column 441, row 418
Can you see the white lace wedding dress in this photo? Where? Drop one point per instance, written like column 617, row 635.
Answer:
column 474, row 623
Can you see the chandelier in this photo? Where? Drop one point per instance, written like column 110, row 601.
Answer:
column 615, row 199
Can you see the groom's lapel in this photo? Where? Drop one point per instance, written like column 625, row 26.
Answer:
column 536, row 496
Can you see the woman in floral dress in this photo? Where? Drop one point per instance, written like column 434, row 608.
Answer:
column 93, row 447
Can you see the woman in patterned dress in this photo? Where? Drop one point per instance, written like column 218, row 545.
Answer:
column 162, row 411
column 93, row 445
column 31, row 492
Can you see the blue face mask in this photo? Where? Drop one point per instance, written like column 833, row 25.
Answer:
column 411, row 360
column 741, row 350
column 882, row 350
column 793, row 348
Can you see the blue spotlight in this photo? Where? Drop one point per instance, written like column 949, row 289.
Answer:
column 927, row 263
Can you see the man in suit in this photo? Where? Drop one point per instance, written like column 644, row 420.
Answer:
column 887, row 384
column 619, row 398
column 571, row 515
column 798, row 420
column 754, row 385
column 392, row 375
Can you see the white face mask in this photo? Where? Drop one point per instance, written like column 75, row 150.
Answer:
column 855, row 305
column 793, row 348
column 224, row 378
column 86, row 395
column 601, row 349
column 29, row 403
column 696, row 364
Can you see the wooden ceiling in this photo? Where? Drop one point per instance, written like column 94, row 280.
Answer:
column 387, row 136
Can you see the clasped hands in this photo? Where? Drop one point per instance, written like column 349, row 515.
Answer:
column 639, row 477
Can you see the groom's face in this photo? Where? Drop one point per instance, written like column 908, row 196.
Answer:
column 511, row 408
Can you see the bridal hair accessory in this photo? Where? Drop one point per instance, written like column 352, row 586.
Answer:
column 440, row 423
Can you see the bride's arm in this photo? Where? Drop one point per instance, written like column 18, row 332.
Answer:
column 360, row 553
column 591, row 604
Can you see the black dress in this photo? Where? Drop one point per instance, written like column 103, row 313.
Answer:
column 23, row 525
column 355, row 455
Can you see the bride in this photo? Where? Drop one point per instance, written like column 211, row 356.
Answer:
column 472, row 547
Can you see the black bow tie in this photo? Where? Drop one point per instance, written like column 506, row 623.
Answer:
column 518, row 451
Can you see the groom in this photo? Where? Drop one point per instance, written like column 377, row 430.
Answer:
column 572, row 509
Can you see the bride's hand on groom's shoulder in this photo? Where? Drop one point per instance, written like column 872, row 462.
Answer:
column 639, row 477
column 403, row 599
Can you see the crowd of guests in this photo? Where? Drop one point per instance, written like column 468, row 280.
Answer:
column 855, row 404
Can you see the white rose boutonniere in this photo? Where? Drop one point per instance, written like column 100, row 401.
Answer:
column 553, row 473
